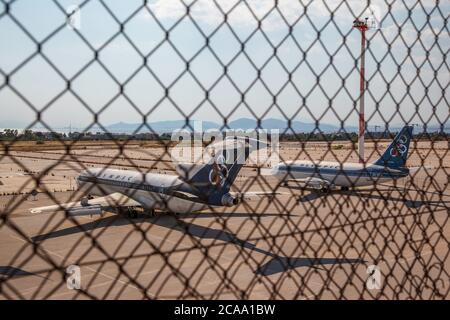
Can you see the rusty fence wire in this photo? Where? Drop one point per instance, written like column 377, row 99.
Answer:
column 71, row 69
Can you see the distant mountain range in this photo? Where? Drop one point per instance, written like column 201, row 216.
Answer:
column 248, row 124
column 242, row 123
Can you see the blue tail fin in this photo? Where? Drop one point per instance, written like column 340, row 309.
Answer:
column 217, row 176
column 396, row 154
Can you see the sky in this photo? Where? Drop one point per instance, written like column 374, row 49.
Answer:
column 407, row 62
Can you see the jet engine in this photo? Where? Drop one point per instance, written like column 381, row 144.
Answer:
column 229, row 201
column 315, row 183
column 84, row 210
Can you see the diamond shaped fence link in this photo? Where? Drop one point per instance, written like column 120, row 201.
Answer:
column 294, row 59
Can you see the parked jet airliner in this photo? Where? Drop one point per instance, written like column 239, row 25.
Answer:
column 196, row 187
column 326, row 175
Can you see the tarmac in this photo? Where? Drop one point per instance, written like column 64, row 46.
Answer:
column 297, row 245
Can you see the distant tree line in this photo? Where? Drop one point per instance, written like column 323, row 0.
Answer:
column 352, row 136
column 40, row 137
column 319, row 136
column 30, row 135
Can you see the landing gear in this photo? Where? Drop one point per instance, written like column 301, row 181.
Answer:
column 132, row 213
column 325, row 189
column 345, row 188
column 150, row 212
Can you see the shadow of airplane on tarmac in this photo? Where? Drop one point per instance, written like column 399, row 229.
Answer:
column 384, row 194
column 280, row 264
column 277, row 263
column 13, row 272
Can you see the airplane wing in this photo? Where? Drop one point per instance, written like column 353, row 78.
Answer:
column 111, row 200
column 255, row 195
column 316, row 183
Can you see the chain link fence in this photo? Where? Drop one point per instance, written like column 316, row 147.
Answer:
column 91, row 83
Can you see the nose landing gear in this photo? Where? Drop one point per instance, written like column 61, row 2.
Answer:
column 133, row 212
column 325, row 189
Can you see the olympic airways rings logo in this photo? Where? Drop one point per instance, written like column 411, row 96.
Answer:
column 219, row 172
column 400, row 146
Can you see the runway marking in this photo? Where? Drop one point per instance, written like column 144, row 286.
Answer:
column 89, row 268
column 411, row 257
column 90, row 287
column 183, row 245
column 163, row 239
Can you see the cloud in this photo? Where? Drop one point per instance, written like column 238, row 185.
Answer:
column 246, row 13
column 239, row 13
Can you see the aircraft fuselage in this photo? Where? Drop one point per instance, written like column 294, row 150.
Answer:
column 151, row 190
column 337, row 174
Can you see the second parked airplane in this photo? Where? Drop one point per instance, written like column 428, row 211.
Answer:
column 324, row 175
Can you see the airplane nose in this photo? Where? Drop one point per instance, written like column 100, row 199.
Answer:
column 275, row 171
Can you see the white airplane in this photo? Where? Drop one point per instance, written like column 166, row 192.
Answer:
column 196, row 187
column 323, row 175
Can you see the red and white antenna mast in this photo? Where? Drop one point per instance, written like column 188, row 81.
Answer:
column 363, row 27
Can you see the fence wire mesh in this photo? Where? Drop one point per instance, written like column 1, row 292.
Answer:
column 91, row 82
